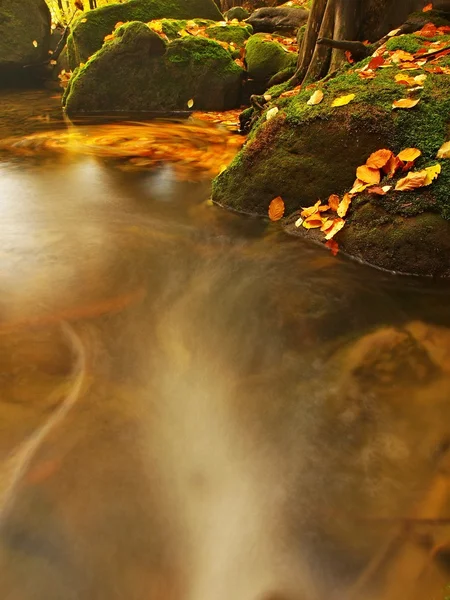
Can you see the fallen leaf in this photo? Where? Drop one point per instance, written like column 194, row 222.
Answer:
column 327, row 224
column 393, row 166
column 401, row 56
column 405, row 103
column 432, row 173
column 333, row 202
column 428, row 7
column 412, row 181
column 276, row 209
column 349, row 57
column 404, row 79
column 35, row 44
column 378, row 159
column 344, row 205
column 310, row 210
column 444, row 151
column 429, row 30
column 316, row 98
column 83, row 20
column 190, row 103
column 343, row 100
column 420, row 79
column 333, row 246
column 368, row 175
column 271, row 113
column 298, row 222
column 358, row 186
column 376, row 62
column 313, row 222
column 409, row 154
column 338, row 224
column 376, row 189
column 394, row 32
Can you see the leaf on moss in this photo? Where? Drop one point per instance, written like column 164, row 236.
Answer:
column 432, row 173
column 271, row 113
column 409, row 154
column 378, row 159
column 393, row 166
column 368, row 175
column 276, row 209
column 343, row 100
column 316, row 98
column 444, row 151
column 412, row 181
column 405, row 103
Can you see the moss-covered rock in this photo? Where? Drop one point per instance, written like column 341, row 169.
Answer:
column 24, row 37
column 232, row 34
column 309, row 152
column 237, row 12
column 90, row 30
column 138, row 71
column 265, row 57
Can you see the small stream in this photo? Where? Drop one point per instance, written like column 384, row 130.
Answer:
column 195, row 406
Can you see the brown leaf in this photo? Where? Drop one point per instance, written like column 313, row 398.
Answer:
column 379, row 159
column 368, row 175
column 333, row 202
column 412, row 181
column 393, row 166
column 276, row 209
column 333, row 246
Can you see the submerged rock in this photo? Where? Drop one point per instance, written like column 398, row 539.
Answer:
column 89, row 31
column 309, row 152
column 24, row 38
column 138, row 71
column 266, row 57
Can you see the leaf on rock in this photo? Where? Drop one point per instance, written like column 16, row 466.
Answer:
column 333, row 202
column 368, row 175
column 393, row 166
column 358, row 186
column 344, row 205
column 405, row 103
column 310, row 210
column 343, row 100
column 379, row 159
column 428, row 7
column 409, row 154
column 316, row 98
column 432, row 173
column 379, row 191
column 190, row 103
column 298, row 222
column 444, row 151
column 276, row 209
column 412, row 181
column 338, row 224
column 313, row 222
column 333, row 246
column 327, row 224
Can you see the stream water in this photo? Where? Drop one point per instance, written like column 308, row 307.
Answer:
column 195, row 406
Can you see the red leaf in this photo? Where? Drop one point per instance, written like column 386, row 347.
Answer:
column 376, row 62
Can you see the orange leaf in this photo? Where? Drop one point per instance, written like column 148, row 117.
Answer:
column 333, row 246
column 316, row 98
column 344, row 205
column 379, row 159
column 376, row 62
column 349, row 57
column 338, row 224
column 368, row 175
column 428, row 7
column 379, row 191
column 405, row 103
column 311, row 210
column 409, row 154
column 393, row 166
column 313, row 222
column 358, row 186
column 276, row 209
column 327, row 224
column 412, row 181
column 333, row 202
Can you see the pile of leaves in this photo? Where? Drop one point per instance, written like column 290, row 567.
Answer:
column 195, row 152
column 375, row 177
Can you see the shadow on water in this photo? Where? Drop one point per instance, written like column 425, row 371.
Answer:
column 196, row 407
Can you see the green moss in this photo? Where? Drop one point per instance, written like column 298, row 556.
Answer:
column 408, row 43
column 90, row 30
column 138, row 71
column 265, row 58
column 237, row 12
column 236, row 34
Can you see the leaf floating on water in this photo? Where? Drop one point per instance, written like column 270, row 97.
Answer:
column 444, row 151
column 271, row 113
column 316, row 98
column 432, row 173
column 190, row 103
column 343, row 100
column 378, row 159
column 409, row 154
column 405, row 103
column 368, row 175
column 412, row 181
column 276, row 209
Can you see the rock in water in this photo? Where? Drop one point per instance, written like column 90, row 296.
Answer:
column 24, row 38
column 90, row 30
column 268, row 20
column 139, row 71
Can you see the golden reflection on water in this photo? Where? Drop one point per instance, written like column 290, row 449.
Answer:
column 247, row 417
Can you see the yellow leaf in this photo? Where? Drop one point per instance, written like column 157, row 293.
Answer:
column 343, row 100
column 420, row 79
column 313, row 222
column 276, row 209
column 316, row 98
column 344, row 205
column 412, row 181
column 379, row 159
column 327, row 224
column 432, row 173
column 405, row 103
column 393, row 32
column 311, row 210
column 338, row 224
column 444, row 151
column 368, row 175
column 298, row 222
column 409, row 154
column 405, row 79
column 271, row 113
column 190, row 103
column 35, row 44
column 358, row 186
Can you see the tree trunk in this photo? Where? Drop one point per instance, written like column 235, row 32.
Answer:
column 350, row 20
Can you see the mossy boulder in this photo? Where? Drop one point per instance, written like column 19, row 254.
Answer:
column 237, row 12
column 24, row 37
column 266, row 57
column 90, row 30
column 138, row 71
column 230, row 33
column 309, row 152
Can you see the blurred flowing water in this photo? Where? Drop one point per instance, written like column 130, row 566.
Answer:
column 196, row 407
